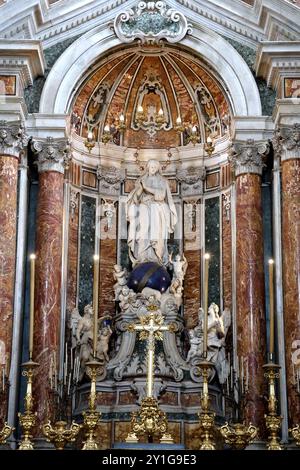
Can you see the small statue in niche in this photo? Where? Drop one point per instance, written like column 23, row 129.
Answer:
column 120, row 275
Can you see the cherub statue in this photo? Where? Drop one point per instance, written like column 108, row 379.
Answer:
column 73, row 320
column 176, row 289
column 128, row 299
column 196, row 340
column 120, row 275
column 179, row 266
column 103, row 342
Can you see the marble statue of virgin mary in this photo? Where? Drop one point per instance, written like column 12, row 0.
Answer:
column 152, row 216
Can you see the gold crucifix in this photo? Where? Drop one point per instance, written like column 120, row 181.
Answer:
column 151, row 328
column 150, row 419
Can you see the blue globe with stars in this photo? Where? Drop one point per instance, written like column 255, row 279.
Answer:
column 149, row 274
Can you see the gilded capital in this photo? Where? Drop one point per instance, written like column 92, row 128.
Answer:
column 53, row 155
column 286, row 142
column 12, row 138
column 248, row 157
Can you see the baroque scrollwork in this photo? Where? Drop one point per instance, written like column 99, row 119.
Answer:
column 248, row 157
column 53, row 155
column 150, row 22
column 110, row 179
column 13, row 138
column 191, row 180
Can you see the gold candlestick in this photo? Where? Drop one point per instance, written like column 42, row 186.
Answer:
column 273, row 421
column 207, row 417
column 5, row 433
column 60, row 435
column 28, row 418
column 31, row 320
column 272, row 319
column 205, row 304
column 91, row 417
column 95, row 303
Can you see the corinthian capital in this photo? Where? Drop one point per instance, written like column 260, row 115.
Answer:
column 248, row 157
column 53, row 155
column 286, row 142
column 12, row 138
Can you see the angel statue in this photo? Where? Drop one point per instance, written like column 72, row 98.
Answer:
column 179, row 266
column 217, row 328
column 120, row 275
column 103, row 339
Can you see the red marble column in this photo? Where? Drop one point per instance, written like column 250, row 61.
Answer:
column 290, row 161
column 11, row 144
column 48, row 269
column 108, row 258
column 250, row 308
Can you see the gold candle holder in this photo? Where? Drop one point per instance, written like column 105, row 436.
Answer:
column 91, row 417
column 273, row 421
column 238, row 435
column 295, row 432
column 149, row 421
column 28, row 418
column 5, row 433
column 60, row 435
column 207, row 417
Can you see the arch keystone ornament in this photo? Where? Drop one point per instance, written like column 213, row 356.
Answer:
column 150, row 22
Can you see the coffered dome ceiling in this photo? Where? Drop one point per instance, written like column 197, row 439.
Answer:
column 142, row 94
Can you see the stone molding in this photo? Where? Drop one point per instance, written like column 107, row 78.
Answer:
column 51, row 23
column 286, row 142
column 53, row 155
column 13, row 138
column 275, row 60
column 22, row 58
column 247, row 157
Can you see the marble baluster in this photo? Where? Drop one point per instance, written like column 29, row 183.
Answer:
column 51, row 162
column 12, row 142
column 250, row 314
column 287, row 144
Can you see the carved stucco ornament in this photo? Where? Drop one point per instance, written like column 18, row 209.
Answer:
column 248, row 157
column 150, row 22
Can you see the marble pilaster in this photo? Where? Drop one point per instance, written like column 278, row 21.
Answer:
column 287, row 144
column 12, row 141
column 250, row 315
column 52, row 158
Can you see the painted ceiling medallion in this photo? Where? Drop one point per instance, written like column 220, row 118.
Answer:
column 150, row 22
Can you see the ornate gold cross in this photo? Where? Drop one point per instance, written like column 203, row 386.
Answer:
column 151, row 328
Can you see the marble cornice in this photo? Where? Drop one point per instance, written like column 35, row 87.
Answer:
column 53, row 155
column 13, row 138
column 247, row 157
column 286, row 142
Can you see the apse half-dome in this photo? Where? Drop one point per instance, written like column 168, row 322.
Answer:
column 144, row 96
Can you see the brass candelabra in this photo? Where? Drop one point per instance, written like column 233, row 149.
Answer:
column 295, row 432
column 28, row 418
column 5, row 433
column 238, row 435
column 59, row 434
column 273, row 421
column 207, row 417
column 91, row 417
column 150, row 420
